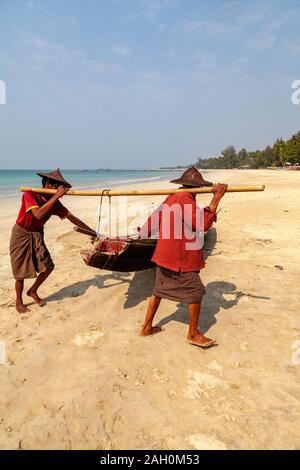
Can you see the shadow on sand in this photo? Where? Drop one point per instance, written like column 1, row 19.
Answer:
column 80, row 288
column 212, row 302
column 141, row 285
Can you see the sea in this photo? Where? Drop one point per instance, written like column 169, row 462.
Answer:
column 11, row 180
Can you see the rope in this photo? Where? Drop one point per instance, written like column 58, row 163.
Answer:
column 100, row 209
column 111, row 254
column 109, row 216
column 106, row 262
column 109, row 222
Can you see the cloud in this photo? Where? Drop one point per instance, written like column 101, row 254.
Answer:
column 147, row 8
column 123, row 51
column 293, row 47
column 204, row 56
column 40, row 54
column 153, row 76
column 152, row 8
column 73, row 21
column 162, row 27
column 172, row 53
column 210, row 27
column 261, row 42
column 234, row 20
column 40, row 69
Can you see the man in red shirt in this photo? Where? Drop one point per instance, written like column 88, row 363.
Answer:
column 178, row 254
column 28, row 252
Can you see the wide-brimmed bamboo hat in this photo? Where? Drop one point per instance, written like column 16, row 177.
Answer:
column 192, row 177
column 56, row 176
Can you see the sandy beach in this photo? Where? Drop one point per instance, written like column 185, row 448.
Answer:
column 77, row 374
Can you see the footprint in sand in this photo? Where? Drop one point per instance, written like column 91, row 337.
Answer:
column 214, row 365
column 122, row 374
column 139, row 379
column 64, row 316
column 243, row 346
column 160, row 375
column 8, row 303
column 88, row 337
column 199, row 383
column 117, row 388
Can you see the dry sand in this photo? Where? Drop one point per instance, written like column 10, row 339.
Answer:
column 78, row 375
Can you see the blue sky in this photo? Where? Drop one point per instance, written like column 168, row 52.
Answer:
column 144, row 83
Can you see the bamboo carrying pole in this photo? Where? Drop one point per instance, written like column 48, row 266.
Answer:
column 138, row 192
column 85, row 231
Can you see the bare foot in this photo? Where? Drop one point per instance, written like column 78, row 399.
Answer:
column 36, row 298
column 21, row 308
column 201, row 341
column 152, row 330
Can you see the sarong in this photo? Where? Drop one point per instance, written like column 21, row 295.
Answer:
column 181, row 287
column 28, row 253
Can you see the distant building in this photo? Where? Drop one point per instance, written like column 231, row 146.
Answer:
column 244, row 167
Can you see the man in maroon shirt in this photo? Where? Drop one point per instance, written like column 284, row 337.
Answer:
column 178, row 254
column 28, row 252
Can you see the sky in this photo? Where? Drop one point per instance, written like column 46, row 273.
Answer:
column 144, row 83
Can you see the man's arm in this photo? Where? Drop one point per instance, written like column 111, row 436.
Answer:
column 218, row 190
column 42, row 211
column 210, row 213
column 72, row 218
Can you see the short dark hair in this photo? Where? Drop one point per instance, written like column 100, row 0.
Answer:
column 44, row 181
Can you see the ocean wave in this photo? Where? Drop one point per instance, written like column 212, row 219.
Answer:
column 11, row 191
column 105, row 184
column 138, row 180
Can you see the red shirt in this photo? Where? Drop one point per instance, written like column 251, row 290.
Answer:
column 181, row 249
column 31, row 200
